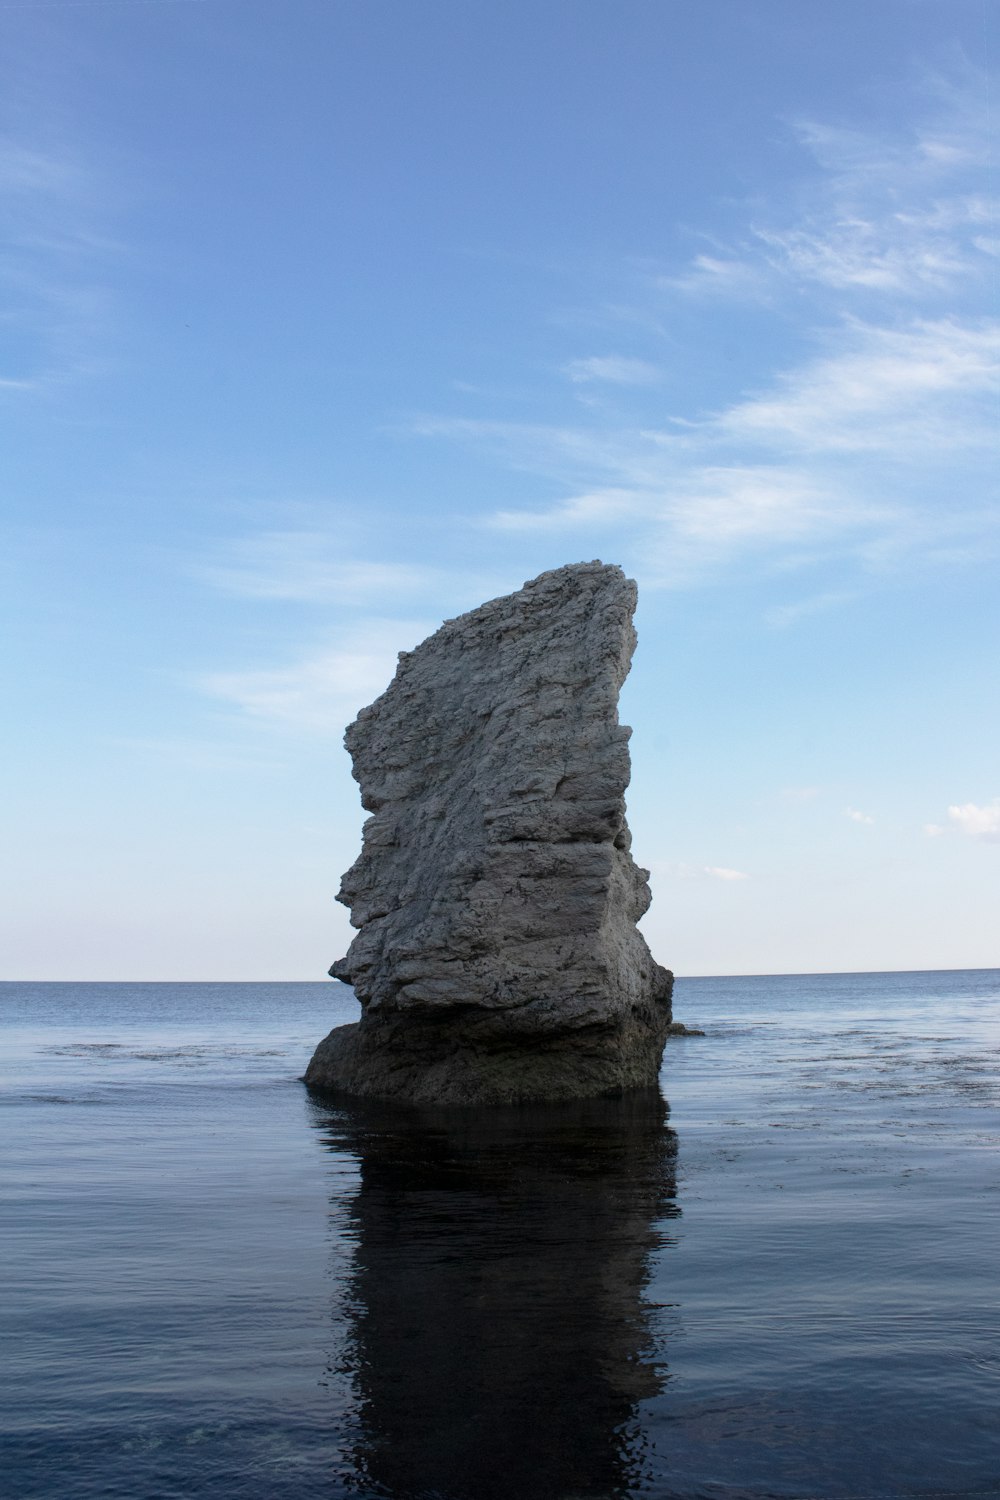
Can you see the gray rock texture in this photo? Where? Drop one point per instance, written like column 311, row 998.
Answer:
column 497, row 958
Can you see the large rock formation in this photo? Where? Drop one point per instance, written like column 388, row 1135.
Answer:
column 497, row 958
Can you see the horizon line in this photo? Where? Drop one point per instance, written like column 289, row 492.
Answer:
column 747, row 974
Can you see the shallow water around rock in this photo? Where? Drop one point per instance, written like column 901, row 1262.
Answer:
column 784, row 1286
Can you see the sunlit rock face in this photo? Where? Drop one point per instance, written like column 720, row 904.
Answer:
column 497, row 957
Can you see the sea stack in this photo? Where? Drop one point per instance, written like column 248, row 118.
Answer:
column 497, row 958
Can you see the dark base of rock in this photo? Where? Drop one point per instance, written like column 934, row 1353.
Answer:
column 677, row 1028
column 435, row 1064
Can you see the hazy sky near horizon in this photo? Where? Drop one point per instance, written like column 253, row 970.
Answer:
column 325, row 320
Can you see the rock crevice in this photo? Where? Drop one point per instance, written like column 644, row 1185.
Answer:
column 497, row 957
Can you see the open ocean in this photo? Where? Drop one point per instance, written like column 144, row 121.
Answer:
column 784, row 1286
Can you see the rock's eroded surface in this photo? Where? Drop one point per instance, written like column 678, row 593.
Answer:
column 497, row 957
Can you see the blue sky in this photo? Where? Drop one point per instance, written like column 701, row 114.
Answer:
column 323, row 322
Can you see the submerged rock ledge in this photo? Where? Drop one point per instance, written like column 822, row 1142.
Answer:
column 497, row 958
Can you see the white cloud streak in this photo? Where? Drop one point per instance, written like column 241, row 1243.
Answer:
column 310, row 567
column 898, row 394
column 857, row 446
column 667, row 869
column 54, row 263
column 323, row 691
column 901, row 215
column 616, row 369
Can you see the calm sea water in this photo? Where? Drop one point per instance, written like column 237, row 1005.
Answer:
column 785, row 1287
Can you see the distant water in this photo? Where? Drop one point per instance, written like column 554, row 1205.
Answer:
column 215, row 1287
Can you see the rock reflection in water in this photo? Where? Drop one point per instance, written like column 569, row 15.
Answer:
column 499, row 1341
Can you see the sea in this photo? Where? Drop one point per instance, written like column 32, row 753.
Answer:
column 776, row 1278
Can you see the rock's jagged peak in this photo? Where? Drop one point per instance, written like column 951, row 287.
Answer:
column 603, row 585
column 543, row 587
column 495, row 897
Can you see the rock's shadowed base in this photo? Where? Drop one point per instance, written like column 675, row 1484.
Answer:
column 435, row 1065
column 497, row 958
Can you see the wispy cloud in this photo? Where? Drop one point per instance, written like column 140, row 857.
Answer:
column 845, row 448
column 978, row 822
column 235, row 757
column 55, row 260
column 726, row 504
column 898, row 393
column 858, row 817
column 683, row 869
column 616, row 369
column 681, row 519
column 974, row 820
column 725, row 275
column 323, row 691
column 781, row 616
column 539, row 447
column 903, row 398
column 596, row 507
column 309, row 566
column 901, row 214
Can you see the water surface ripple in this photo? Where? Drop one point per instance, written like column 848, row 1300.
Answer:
column 783, row 1287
